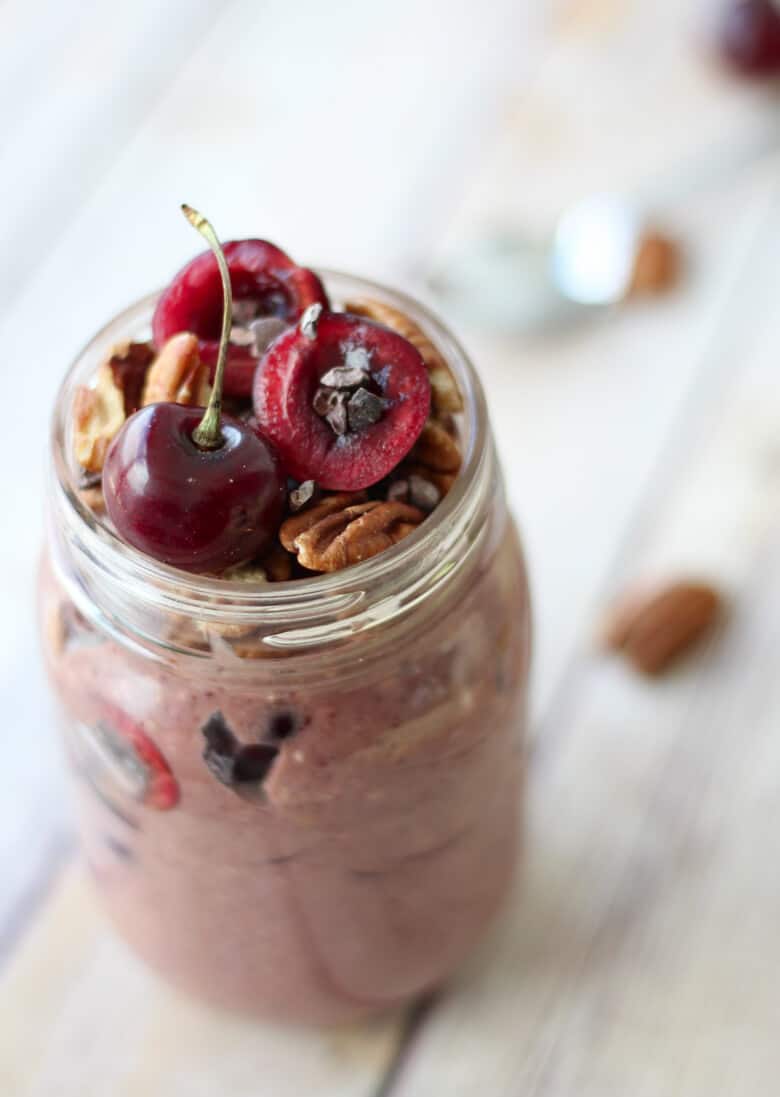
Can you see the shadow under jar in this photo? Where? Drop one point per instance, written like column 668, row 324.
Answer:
column 302, row 799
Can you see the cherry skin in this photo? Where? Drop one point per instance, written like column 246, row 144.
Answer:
column 750, row 37
column 264, row 280
column 349, row 428
column 201, row 510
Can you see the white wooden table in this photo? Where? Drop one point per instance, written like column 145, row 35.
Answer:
column 639, row 954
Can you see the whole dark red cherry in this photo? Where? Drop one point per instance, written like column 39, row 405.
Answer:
column 750, row 37
column 266, row 284
column 196, row 489
column 342, row 399
column 198, row 509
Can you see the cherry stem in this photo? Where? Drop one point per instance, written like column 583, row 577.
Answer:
column 208, row 433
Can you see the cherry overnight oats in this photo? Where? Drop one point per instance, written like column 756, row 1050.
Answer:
column 299, row 779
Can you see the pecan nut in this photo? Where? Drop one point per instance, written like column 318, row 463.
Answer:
column 98, row 415
column 445, row 394
column 177, row 374
column 436, row 449
column 353, row 533
column 654, row 629
column 305, row 519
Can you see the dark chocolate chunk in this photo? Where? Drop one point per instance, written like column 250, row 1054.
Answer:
column 344, row 377
column 129, row 365
column 252, row 763
column 221, row 747
column 264, row 330
column 422, row 493
column 241, row 767
column 303, row 494
column 398, row 492
column 364, row 409
column 218, row 734
column 331, row 404
column 285, row 723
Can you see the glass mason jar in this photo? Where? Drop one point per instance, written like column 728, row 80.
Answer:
column 372, row 832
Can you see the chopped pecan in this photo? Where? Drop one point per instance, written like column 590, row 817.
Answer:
column 277, row 564
column 302, row 521
column 98, row 415
column 129, row 363
column 445, row 393
column 354, row 533
column 93, row 498
column 177, row 374
column 653, row 629
column 436, row 448
column 246, row 573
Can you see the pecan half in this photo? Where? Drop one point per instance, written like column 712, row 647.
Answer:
column 305, row 519
column 653, row 629
column 436, row 449
column 177, row 375
column 354, row 533
column 98, row 415
column 445, row 393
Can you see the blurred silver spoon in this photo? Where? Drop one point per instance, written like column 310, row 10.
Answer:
column 509, row 282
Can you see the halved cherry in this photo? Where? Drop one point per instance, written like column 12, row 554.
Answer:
column 160, row 788
column 269, row 293
column 342, row 399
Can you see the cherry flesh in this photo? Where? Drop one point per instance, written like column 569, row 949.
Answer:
column 201, row 510
column 750, row 37
column 342, row 400
column 266, row 284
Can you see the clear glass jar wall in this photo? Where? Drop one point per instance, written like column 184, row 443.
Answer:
column 388, row 701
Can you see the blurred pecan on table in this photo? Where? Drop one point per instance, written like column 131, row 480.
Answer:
column 654, row 629
column 657, row 265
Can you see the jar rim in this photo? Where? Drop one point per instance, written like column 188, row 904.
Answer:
column 345, row 594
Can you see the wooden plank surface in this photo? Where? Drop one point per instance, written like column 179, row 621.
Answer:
column 640, row 955
column 111, row 1028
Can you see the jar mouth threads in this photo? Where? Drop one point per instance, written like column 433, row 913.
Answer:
column 139, row 596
